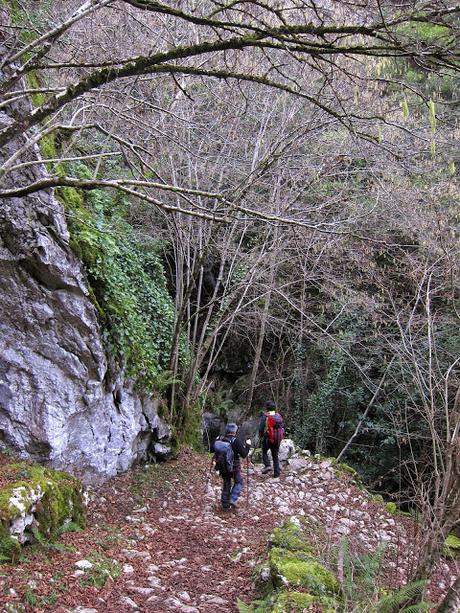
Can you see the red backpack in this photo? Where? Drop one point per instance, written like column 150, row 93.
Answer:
column 275, row 428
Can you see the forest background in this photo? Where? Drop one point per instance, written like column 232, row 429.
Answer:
column 265, row 199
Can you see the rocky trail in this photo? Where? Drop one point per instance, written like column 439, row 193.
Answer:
column 157, row 541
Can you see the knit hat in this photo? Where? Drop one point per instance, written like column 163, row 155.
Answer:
column 231, row 428
column 270, row 405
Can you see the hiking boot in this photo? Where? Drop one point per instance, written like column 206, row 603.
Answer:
column 226, row 507
column 266, row 469
column 233, row 505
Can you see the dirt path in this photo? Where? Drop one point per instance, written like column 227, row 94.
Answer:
column 157, row 541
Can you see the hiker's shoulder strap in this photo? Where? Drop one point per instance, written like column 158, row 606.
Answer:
column 227, row 439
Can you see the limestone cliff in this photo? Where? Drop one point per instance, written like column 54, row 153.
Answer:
column 58, row 404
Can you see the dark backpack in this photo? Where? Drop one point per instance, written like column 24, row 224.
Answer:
column 224, row 455
column 275, row 428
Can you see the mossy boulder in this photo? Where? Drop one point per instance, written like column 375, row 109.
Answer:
column 295, row 580
column 451, row 546
column 391, row 508
column 297, row 602
column 292, row 535
column 299, row 569
column 340, row 469
column 262, row 579
column 36, row 500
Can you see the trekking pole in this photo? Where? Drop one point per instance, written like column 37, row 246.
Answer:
column 247, row 482
column 209, row 476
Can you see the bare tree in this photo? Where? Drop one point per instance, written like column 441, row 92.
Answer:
column 297, row 48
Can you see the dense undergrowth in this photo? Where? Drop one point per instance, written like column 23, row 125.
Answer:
column 126, row 277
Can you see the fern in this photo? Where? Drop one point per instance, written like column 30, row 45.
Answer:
column 166, row 378
column 257, row 606
column 388, row 604
column 243, row 607
column 71, row 526
column 360, row 572
column 416, row 608
column 38, row 536
column 368, row 567
column 348, row 580
column 45, row 543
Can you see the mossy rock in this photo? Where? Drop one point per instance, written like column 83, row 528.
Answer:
column 451, row 546
column 377, row 498
column 10, row 549
column 262, row 579
column 291, row 536
column 256, row 456
column 43, row 500
column 301, row 569
column 345, row 469
column 293, row 602
column 297, row 602
column 391, row 507
column 341, row 469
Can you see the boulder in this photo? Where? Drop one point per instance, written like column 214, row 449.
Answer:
column 287, row 450
column 38, row 503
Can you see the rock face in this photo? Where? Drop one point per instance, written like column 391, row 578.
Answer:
column 58, row 404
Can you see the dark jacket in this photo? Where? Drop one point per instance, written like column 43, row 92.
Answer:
column 240, row 450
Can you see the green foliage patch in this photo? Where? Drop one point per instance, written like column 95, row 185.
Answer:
column 103, row 569
column 60, row 503
column 127, row 281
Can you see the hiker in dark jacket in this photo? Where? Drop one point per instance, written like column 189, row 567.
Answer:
column 267, row 445
column 231, row 494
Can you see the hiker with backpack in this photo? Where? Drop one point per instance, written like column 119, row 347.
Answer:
column 228, row 451
column 271, row 432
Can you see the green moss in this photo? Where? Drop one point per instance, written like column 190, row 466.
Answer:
column 377, row 498
column 347, row 470
column 10, row 548
column 294, row 602
column 72, row 200
column 451, row 546
column 291, row 537
column 38, row 99
column 453, row 542
column 103, row 569
column 426, row 32
column 190, row 429
column 61, row 501
column 14, row 10
column 391, row 508
column 297, row 602
column 299, row 569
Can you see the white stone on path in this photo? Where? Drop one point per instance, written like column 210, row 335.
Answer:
column 83, row 564
column 129, row 602
column 144, row 591
column 174, row 602
column 131, row 554
column 154, row 581
column 217, row 600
